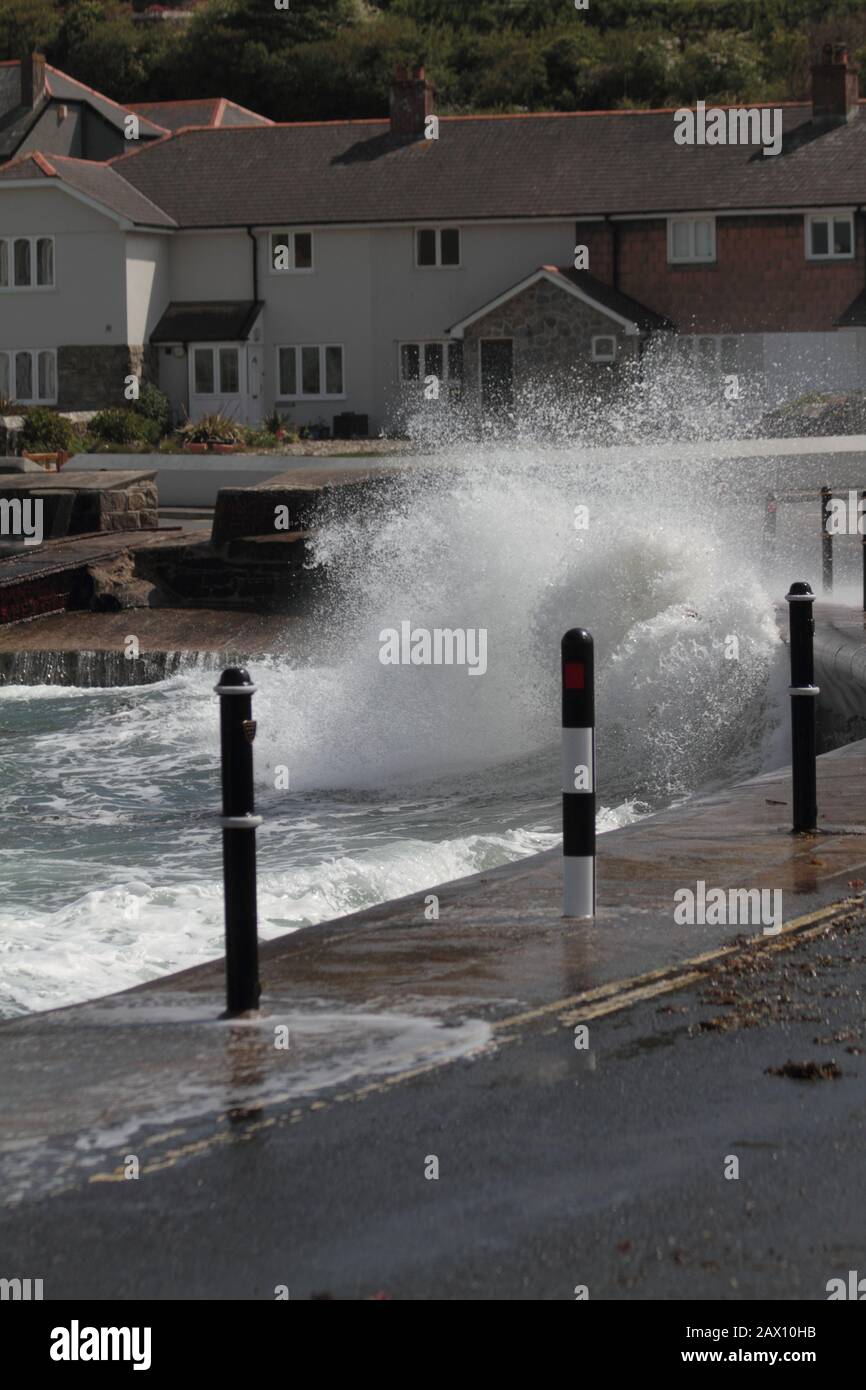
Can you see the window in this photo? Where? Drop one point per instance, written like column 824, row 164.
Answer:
column 26, row 263
column 604, row 348
column 436, row 247
column 203, row 371
column 442, row 360
column 691, row 239
column 29, row 375
column 830, row 237
column 311, row 371
column 291, row 251
column 708, row 352
column 229, row 372
column 216, row 371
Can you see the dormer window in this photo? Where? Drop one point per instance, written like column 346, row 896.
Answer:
column 291, row 251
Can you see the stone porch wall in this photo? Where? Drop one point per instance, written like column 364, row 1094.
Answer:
column 552, row 333
column 93, row 378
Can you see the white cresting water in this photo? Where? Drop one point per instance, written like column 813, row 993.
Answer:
column 401, row 776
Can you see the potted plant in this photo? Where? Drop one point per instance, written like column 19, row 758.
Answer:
column 215, row 432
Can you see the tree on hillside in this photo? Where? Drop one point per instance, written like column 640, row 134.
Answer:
column 305, row 21
column 27, row 25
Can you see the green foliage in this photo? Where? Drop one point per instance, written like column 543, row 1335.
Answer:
column 260, row 439
column 46, row 432
column 26, row 25
column 333, row 59
column 215, row 428
column 124, row 427
column 154, row 405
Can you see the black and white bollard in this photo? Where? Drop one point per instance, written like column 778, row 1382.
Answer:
column 803, row 692
column 239, row 821
column 578, row 774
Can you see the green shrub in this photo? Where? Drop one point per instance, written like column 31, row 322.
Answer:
column 260, row 439
column 46, row 432
column 124, row 427
column 154, row 405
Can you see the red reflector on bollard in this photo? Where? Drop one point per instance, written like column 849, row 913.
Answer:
column 574, row 675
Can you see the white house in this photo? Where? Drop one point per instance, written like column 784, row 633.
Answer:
column 329, row 267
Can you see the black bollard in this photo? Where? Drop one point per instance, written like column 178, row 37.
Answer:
column 578, row 774
column 826, row 543
column 238, row 821
column 803, row 692
column 861, row 526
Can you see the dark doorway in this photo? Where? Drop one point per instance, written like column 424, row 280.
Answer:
column 497, row 376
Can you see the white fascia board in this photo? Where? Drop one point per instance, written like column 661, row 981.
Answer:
column 259, row 230
column 560, row 282
column 729, row 212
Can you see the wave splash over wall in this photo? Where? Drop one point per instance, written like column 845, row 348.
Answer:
column 399, row 777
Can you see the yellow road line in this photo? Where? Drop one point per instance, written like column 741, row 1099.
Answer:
column 676, row 976
column 592, row 1003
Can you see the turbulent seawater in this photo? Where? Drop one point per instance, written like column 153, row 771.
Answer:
column 400, row 777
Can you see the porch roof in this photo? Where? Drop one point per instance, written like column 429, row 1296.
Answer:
column 855, row 315
column 633, row 316
column 207, row 321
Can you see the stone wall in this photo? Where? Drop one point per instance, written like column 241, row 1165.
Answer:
column 552, row 333
column 93, row 378
column 133, row 508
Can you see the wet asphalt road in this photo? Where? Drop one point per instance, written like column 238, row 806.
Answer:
column 558, row 1167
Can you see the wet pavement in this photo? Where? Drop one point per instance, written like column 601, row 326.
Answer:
column 291, row 1148
column 662, row 1157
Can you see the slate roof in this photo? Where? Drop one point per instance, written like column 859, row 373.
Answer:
column 481, row 167
column 212, row 111
column 207, row 322
column 855, row 315
column 65, row 88
column 609, row 298
column 98, row 182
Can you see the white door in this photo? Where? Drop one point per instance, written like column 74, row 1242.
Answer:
column 218, row 380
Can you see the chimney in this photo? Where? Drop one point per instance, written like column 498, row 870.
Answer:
column 32, row 80
column 411, row 103
column 835, row 86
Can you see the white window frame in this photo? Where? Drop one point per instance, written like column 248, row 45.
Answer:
column 35, row 354
column 32, row 287
column 279, row 395
column 292, row 268
column 438, row 230
column 690, row 345
column 598, row 356
column 691, row 258
column 421, row 343
column 830, row 216
column 217, row 392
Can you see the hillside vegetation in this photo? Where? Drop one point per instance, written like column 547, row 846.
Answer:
column 331, row 59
